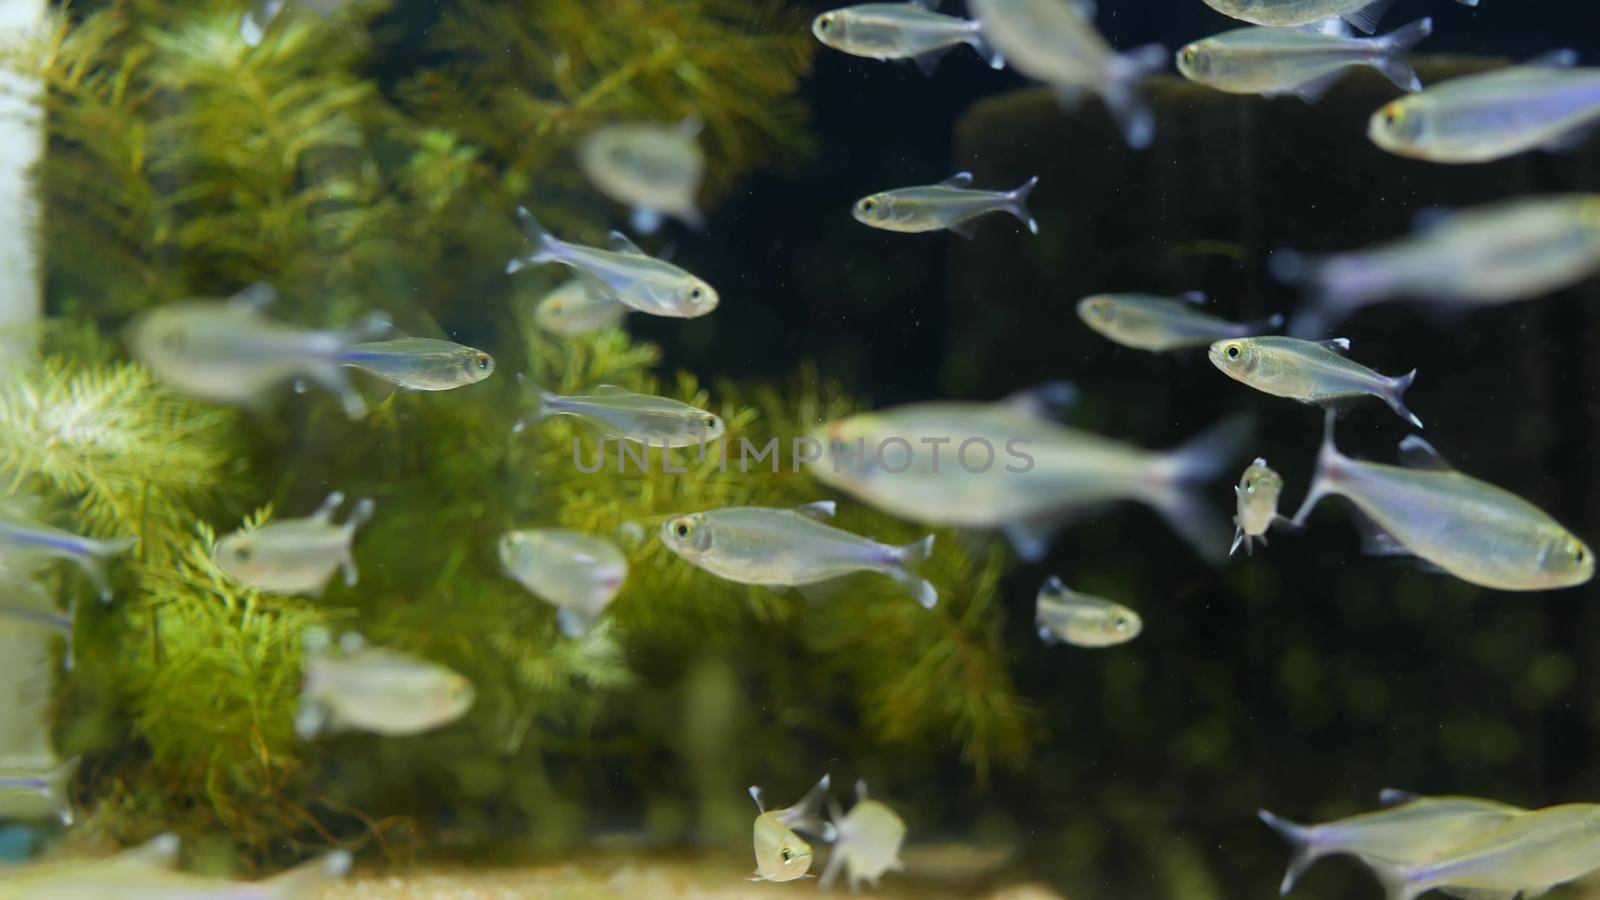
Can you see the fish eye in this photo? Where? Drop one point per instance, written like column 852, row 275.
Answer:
column 1579, row 554
column 868, row 205
column 711, row 421
column 1189, row 53
column 1393, row 113
column 1120, row 623
column 823, row 22
column 788, row 855
column 683, row 528
column 696, row 294
column 1233, row 351
column 484, row 362
column 242, row 552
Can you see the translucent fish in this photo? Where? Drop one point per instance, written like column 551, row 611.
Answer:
column 790, row 548
column 1363, row 14
column 420, row 364
column 629, row 416
column 1515, row 250
column 1469, row 528
column 37, row 793
column 1530, row 853
column 1411, row 829
column 575, row 308
column 26, row 546
column 951, row 204
column 1082, row 620
column 576, row 573
column 1005, row 466
column 228, row 353
column 781, row 853
column 1306, row 63
column 1056, row 42
column 262, row 13
column 1545, row 103
column 654, row 169
column 900, row 31
column 1159, row 324
column 1310, row 372
column 128, row 877
column 295, row 556
column 866, row 842
column 387, row 692
column 1256, row 506
column 624, row 273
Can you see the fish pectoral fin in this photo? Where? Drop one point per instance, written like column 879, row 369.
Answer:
column 927, row 62
column 1068, row 96
column 966, row 229
column 621, row 243
column 1314, row 90
column 1375, row 541
column 1416, row 453
column 1031, row 538
column 823, row 591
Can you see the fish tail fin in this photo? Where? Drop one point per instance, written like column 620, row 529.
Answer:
column 1396, row 394
column 1322, row 480
column 1128, row 72
column 1017, row 204
column 1303, row 850
column 361, row 515
column 546, row 246
column 835, row 858
column 309, row 879
column 93, row 561
column 1396, row 42
column 1395, row 878
column 253, row 30
column 57, row 789
column 978, row 42
column 543, row 404
column 906, row 571
column 808, row 813
column 1185, row 468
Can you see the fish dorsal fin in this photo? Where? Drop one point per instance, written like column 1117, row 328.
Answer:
column 1046, row 401
column 1197, row 298
column 1331, row 27
column 1366, row 18
column 959, row 179
column 1054, row 587
column 861, row 790
column 611, row 390
column 1337, row 345
column 1394, row 797
column 1555, row 59
column 820, row 510
column 621, row 243
column 1260, row 461
column 1416, row 453
column 755, row 794
column 920, row 4
column 691, row 126
column 256, row 297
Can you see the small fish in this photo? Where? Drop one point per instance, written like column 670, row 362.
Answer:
column 27, row 605
column 420, row 364
column 1277, row 61
column 624, row 273
column 1159, row 324
column 895, row 31
column 1363, row 14
column 1081, row 620
column 1309, row 371
column 1020, row 472
column 262, row 13
column 295, row 556
column 791, row 548
column 575, row 308
column 26, row 546
column 654, row 169
column 1530, row 853
column 866, row 842
column 1410, row 829
column 576, row 573
column 629, row 416
column 1256, row 499
column 127, row 876
column 1469, row 528
column 1056, row 42
column 1544, row 103
column 375, row 689
column 951, row 204
column 226, row 352
column 1501, row 253
column 37, row 793
column 781, row 854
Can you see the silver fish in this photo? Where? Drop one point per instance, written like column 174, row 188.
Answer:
column 866, row 842
column 1469, row 528
column 37, row 793
column 790, row 548
column 420, row 364
column 1082, row 620
column 376, row 689
column 1529, row 853
column 1056, row 42
column 781, row 853
column 895, row 31
column 624, row 273
column 1411, row 829
column 1309, row 371
column 136, row 879
column 1005, row 466
column 262, row 13
column 1363, row 14
column 1515, row 250
column 1159, row 324
column 951, row 204
column 228, row 353
column 575, row 308
column 629, row 416
column 26, row 546
column 1277, row 61
column 1256, row 506
column 1545, row 103
column 295, row 556
column 654, row 169
column 577, row 573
